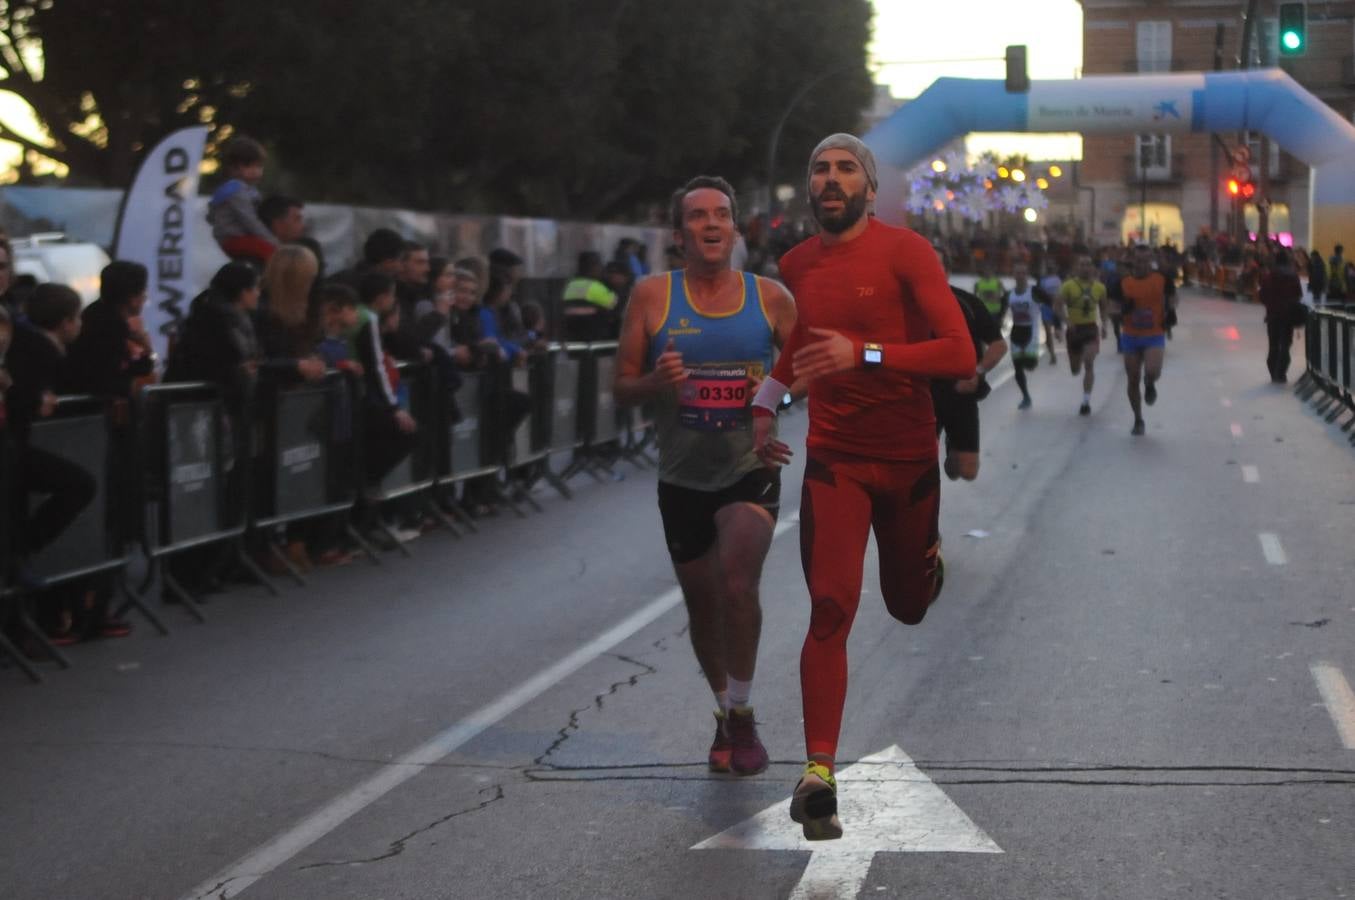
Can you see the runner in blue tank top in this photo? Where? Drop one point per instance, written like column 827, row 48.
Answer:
column 697, row 343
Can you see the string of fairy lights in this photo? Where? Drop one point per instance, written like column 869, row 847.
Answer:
column 972, row 189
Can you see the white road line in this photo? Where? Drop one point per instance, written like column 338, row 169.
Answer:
column 264, row 859
column 1338, row 698
column 1271, row 547
column 1236, row 429
column 1250, row 474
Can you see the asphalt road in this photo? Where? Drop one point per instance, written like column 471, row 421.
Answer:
column 1118, row 695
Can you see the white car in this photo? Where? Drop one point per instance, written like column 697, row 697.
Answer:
column 50, row 257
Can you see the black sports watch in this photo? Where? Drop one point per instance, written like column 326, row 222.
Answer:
column 872, row 356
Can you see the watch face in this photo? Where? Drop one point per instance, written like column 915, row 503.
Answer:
column 874, row 357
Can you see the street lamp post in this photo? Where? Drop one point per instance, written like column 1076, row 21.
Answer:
column 781, row 124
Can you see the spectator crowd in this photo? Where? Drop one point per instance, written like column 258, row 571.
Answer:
column 273, row 314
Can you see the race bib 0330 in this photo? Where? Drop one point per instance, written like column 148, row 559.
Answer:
column 715, row 399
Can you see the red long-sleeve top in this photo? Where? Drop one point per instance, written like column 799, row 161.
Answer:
column 884, row 287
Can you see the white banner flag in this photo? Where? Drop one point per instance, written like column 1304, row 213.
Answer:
column 154, row 229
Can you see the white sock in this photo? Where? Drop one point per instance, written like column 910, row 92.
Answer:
column 1087, row 399
column 739, row 691
column 722, row 701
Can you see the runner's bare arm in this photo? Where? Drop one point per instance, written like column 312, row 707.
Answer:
column 780, row 307
column 788, row 335
column 633, row 383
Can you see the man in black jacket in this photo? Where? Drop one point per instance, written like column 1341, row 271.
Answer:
column 37, row 364
column 110, row 352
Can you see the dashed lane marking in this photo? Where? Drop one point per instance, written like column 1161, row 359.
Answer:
column 1272, row 548
column 1338, row 698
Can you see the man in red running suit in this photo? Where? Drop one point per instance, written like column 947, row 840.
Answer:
column 876, row 321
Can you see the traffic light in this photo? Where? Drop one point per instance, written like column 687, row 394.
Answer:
column 1241, row 187
column 1018, row 81
column 1293, row 29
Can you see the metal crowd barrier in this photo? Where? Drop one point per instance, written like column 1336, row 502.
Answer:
column 640, row 434
column 306, row 466
column 530, row 447
column 1329, row 344
column 9, row 596
column 293, row 452
column 80, row 431
column 566, row 429
column 198, row 479
column 415, row 475
column 462, row 449
column 597, row 441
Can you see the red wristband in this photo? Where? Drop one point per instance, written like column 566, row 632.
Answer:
column 763, row 412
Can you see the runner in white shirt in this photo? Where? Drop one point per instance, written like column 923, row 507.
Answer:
column 1045, row 293
column 1025, row 335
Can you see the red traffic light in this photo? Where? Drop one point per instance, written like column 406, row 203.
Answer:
column 1248, row 191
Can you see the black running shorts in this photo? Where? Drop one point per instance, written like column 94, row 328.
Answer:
column 958, row 416
column 1080, row 336
column 689, row 514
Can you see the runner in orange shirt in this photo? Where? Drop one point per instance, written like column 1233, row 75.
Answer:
column 1143, row 339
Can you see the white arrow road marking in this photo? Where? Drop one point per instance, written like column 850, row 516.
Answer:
column 887, row 804
column 833, row 876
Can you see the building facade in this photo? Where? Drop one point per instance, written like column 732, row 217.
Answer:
column 1176, row 184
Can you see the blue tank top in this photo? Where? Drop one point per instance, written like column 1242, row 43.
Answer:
column 704, row 428
column 743, row 336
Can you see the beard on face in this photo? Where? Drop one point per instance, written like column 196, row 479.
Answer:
column 853, row 208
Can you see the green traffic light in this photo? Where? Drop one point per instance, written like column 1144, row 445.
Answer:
column 1293, row 22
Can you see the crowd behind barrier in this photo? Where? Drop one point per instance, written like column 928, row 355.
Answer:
column 210, row 480
column 1329, row 340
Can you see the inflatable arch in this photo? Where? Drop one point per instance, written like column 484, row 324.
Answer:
column 1264, row 100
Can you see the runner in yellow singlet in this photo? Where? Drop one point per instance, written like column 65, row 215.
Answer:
column 1082, row 303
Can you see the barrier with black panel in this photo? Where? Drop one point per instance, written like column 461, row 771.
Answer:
column 564, row 369
column 471, row 447
column 1327, row 379
column 198, row 483
column 306, row 467
column 639, row 424
column 530, row 446
column 92, row 547
column 597, row 439
column 413, row 475
column 9, row 596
